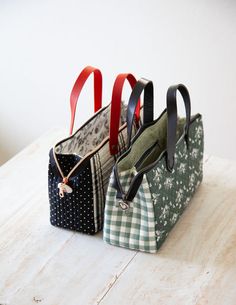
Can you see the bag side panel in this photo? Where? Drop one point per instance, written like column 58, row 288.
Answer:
column 75, row 211
column 135, row 227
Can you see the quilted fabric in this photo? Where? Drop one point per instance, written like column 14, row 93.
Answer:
column 164, row 194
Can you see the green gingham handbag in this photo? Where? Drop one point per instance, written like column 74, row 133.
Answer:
column 153, row 181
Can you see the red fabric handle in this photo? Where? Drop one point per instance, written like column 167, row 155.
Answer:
column 116, row 109
column 78, row 86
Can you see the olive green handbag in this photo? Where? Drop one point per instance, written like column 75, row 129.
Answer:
column 153, row 181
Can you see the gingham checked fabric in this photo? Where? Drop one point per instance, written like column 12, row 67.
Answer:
column 133, row 228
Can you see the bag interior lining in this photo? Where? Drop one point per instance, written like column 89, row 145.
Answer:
column 89, row 136
column 153, row 138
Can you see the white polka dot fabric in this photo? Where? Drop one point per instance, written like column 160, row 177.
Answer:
column 74, row 211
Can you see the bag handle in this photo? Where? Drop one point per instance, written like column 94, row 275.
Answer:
column 171, row 100
column 78, row 86
column 116, row 109
column 146, row 86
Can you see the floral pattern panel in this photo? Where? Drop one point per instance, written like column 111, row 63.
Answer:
column 171, row 191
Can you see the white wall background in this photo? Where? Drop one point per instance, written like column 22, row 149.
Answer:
column 44, row 45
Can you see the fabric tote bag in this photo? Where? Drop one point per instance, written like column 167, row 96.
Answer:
column 153, row 182
column 80, row 165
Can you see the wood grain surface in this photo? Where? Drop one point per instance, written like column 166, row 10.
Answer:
column 41, row 264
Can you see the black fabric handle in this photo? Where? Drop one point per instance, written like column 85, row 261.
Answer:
column 171, row 100
column 146, row 86
column 141, row 85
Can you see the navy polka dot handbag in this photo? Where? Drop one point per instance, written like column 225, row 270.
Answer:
column 80, row 165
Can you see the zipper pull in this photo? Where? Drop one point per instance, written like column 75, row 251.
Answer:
column 64, row 188
column 61, row 189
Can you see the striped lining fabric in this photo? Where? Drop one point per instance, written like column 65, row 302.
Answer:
column 101, row 166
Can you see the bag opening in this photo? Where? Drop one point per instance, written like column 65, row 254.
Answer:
column 150, row 144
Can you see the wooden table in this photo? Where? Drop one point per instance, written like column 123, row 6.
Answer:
column 41, row 264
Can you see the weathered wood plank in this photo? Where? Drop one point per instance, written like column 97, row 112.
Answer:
column 25, row 174
column 197, row 263
column 40, row 263
column 57, row 266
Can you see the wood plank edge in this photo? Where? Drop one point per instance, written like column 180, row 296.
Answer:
column 115, row 279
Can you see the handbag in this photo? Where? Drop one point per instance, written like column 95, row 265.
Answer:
column 80, row 165
column 153, row 181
